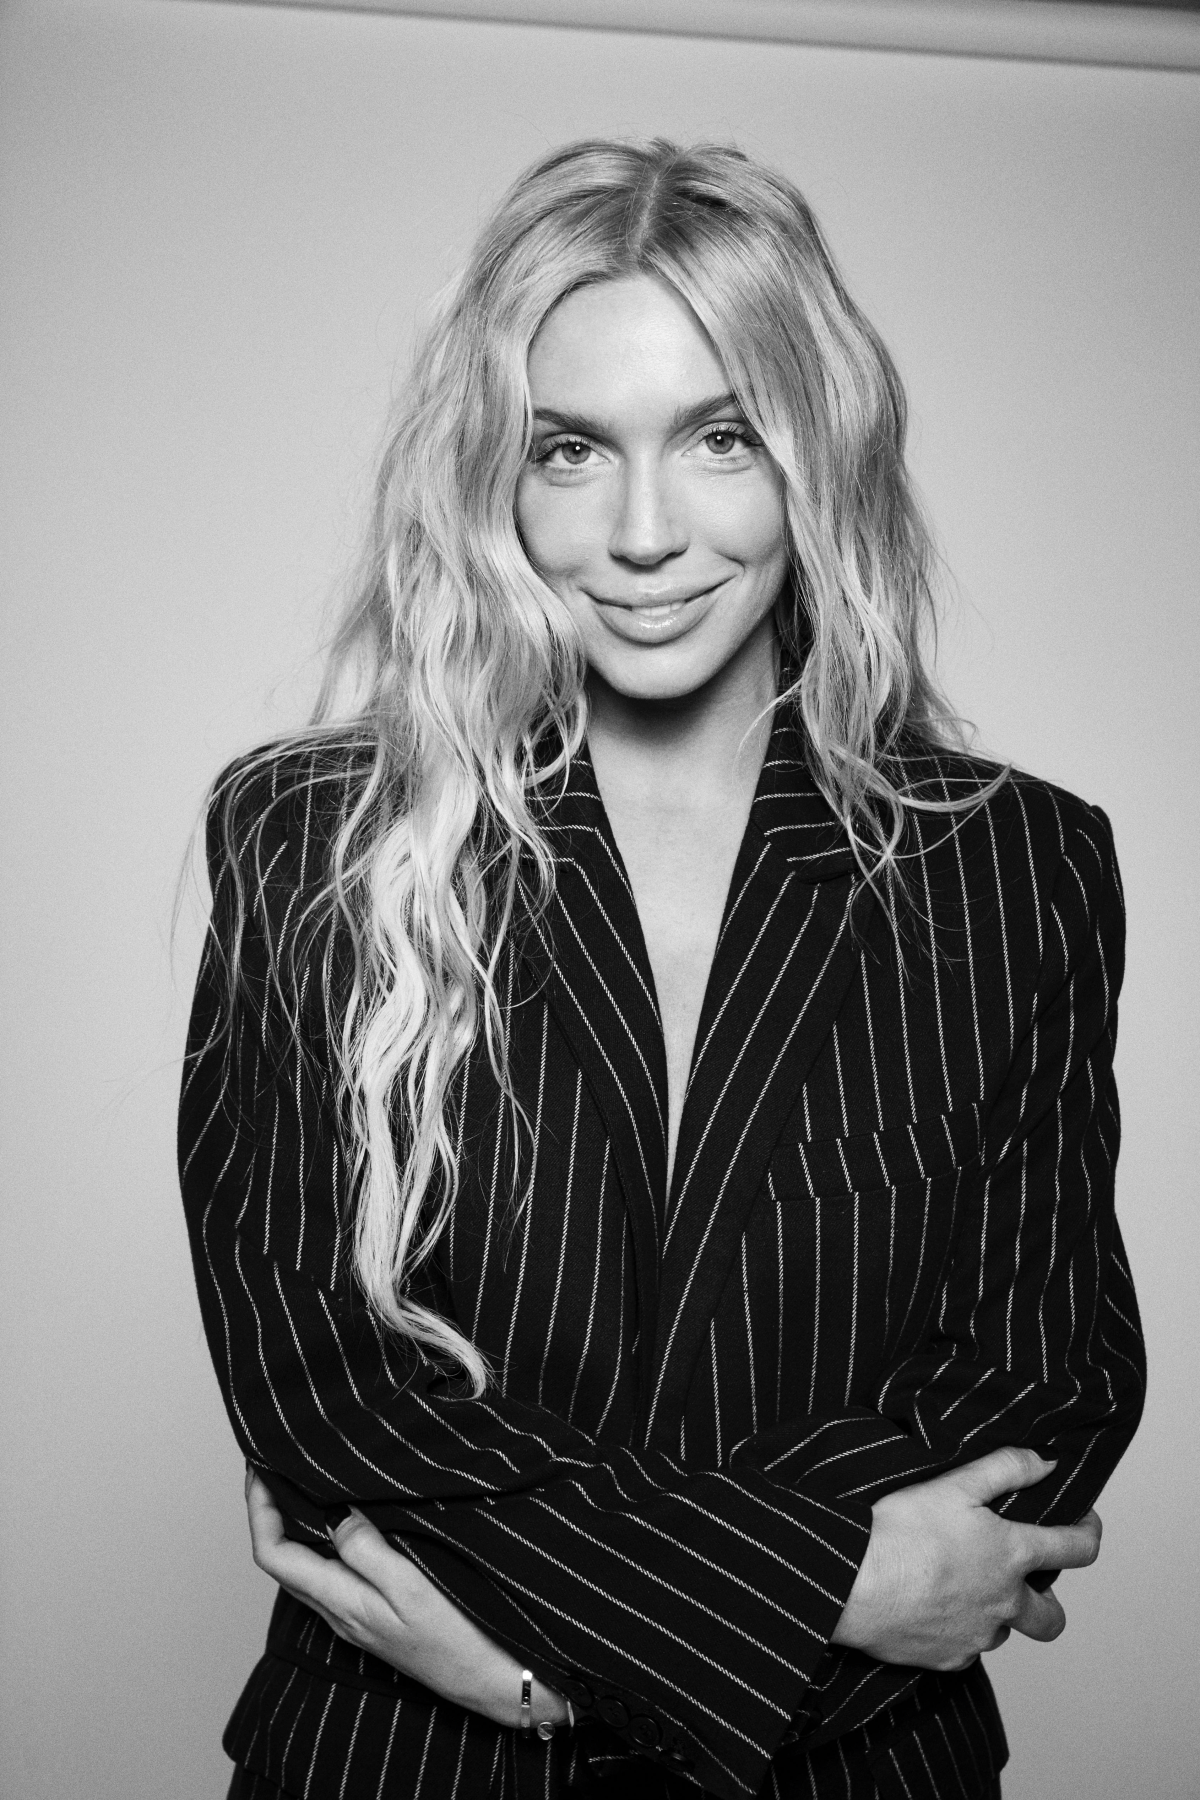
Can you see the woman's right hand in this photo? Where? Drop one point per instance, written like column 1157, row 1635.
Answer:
column 944, row 1576
column 375, row 1598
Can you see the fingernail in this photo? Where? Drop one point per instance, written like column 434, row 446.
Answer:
column 335, row 1516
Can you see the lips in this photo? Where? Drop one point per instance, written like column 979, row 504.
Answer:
column 651, row 611
column 657, row 615
column 661, row 602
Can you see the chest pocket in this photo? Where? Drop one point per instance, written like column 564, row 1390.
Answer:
column 921, row 1151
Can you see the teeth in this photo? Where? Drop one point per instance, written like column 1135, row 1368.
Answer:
column 661, row 612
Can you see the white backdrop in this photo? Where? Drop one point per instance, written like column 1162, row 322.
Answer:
column 218, row 224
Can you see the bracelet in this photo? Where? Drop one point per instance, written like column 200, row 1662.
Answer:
column 545, row 1727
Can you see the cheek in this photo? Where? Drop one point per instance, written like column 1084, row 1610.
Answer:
column 553, row 527
column 745, row 522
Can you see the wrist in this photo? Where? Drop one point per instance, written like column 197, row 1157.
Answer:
column 853, row 1630
column 541, row 1710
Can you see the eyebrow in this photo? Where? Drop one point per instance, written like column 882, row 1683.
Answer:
column 725, row 404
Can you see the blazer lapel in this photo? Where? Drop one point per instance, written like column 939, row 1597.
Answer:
column 790, row 941
column 591, row 958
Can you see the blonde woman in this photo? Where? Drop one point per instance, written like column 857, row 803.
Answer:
column 648, row 1132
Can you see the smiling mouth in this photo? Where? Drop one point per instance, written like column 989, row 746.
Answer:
column 654, row 608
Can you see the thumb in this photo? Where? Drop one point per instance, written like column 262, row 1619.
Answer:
column 1000, row 1472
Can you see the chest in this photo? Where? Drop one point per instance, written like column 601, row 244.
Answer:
column 680, row 862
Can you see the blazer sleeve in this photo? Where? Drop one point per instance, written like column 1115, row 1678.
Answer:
column 1036, row 1340
column 687, row 1611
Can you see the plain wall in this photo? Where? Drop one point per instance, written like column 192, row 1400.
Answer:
column 219, row 223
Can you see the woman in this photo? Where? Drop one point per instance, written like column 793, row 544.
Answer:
column 648, row 1134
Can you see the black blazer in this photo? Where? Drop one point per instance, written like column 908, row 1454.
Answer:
column 889, row 1247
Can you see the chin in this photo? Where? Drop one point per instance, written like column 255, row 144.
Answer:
column 664, row 672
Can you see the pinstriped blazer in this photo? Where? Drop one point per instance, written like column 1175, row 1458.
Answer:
column 889, row 1247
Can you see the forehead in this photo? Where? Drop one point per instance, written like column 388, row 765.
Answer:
column 630, row 344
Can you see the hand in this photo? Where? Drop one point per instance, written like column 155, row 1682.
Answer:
column 379, row 1601
column 944, row 1576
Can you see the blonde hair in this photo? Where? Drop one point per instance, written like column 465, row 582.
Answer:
column 457, row 674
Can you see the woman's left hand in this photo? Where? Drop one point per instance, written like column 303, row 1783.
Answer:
column 378, row 1600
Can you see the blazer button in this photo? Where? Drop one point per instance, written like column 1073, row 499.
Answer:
column 645, row 1732
column 614, row 1712
column 579, row 1692
column 677, row 1759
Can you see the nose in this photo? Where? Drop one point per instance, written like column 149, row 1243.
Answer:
column 649, row 526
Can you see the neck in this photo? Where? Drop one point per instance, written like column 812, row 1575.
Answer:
column 705, row 745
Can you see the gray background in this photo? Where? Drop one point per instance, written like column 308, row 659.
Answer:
column 218, row 226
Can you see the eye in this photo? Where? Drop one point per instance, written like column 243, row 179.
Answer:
column 724, row 440
column 571, row 453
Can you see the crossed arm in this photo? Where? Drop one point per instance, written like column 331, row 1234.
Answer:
column 943, row 1579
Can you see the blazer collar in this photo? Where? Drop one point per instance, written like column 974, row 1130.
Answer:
column 793, row 814
column 789, row 808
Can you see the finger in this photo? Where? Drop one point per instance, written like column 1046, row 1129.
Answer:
column 363, row 1548
column 352, row 1606
column 319, row 1581
column 1000, row 1472
column 1061, row 1546
column 266, row 1520
column 1040, row 1616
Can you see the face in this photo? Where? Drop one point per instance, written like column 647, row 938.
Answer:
column 648, row 504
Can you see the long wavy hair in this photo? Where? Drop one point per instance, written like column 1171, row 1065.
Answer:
column 458, row 678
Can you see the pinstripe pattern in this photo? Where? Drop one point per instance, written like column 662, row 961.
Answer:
column 889, row 1246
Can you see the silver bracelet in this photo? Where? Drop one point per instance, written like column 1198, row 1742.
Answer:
column 546, row 1727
